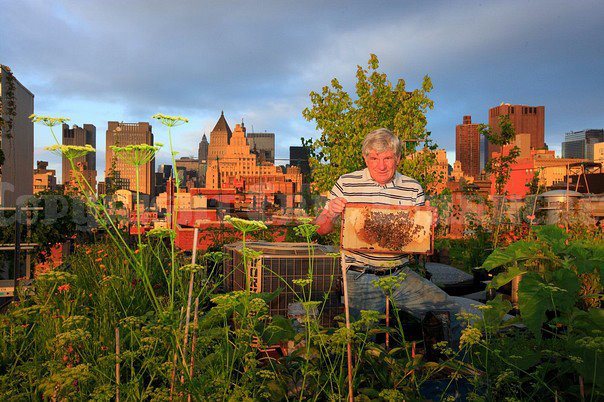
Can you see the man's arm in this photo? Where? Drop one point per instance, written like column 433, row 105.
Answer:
column 332, row 210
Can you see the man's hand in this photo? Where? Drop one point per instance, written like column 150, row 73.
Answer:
column 331, row 211
column 335, row 207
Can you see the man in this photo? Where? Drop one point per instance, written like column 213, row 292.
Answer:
column 380, row 183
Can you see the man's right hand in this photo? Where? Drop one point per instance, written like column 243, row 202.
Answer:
column 335, row 207
column 332, row 210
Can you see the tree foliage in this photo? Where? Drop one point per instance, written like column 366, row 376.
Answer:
column 500, row 166
column 344, row 121
column 62, row 217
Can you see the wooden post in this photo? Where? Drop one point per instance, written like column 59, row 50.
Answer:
column 117, row 364
column 387, row 322
column 193, row 342
column 175, row 358
column 190, row 295
column 347, row 315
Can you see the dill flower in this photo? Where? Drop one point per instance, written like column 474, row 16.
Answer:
column 162, row 233
column 136, row 155
column 302, row 282
column 191, row 268
column 48, row 121
column 170, row 121
column 244, row 225
column 250, row 254
column 306, row 229
column 388, row 284
column 469, row 336
column 214, row 256
column 70, row 152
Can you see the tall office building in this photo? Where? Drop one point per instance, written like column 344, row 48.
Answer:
column 80, row 136
column 220, row 137
column 202, row 152
column 467, row 147
column 122, row 134
column 263, row 145
column 524, row 119
column 16, row 139
column 298, row 156
column 580, row 144
column 202, row 156
column 232, row 163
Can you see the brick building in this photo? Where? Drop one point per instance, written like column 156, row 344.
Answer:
column 467, row 147
column 232, row 164
column 524, row 119
column 80, row 136
column 44, row 179
column 122, row 134
column 16, row 139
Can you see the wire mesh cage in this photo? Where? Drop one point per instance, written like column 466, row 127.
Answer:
column 279, row 265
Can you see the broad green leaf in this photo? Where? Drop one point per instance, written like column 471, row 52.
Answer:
column 504, row 277
column 536, row 296
column 588, row 322
column 521, row 250
column 533, row 302
column 568, row 283
column 279, row 330
column 552, row 235
column 585, row 257
column 493, row 315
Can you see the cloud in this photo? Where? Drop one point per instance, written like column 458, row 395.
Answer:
column 110, row 60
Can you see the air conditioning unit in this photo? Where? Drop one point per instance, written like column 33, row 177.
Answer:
column 277, row 268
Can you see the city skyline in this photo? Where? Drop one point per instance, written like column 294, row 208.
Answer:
column 197, row 59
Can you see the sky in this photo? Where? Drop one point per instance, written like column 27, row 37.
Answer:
column 96, row 61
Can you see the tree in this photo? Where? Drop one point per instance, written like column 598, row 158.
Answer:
column 344, row 122
column 62, row 218
column 500, row 166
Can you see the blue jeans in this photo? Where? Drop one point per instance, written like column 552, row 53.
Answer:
column 415, row 295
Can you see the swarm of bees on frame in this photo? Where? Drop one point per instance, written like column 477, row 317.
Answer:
column 392, row 231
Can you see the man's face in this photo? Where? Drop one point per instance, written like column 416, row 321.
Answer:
column 382, row 166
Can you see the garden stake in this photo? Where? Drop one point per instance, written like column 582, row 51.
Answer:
column 188, row 316
column 175, row 359
column 347, row 314
column 117, row 364
column 193, row 342
column 387, row 323
column 499, row 222
column 582, row 388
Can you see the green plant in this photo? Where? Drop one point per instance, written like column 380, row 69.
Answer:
column 344, row 121
column 559, row 296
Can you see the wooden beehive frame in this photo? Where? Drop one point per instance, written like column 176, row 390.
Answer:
column 352, row 218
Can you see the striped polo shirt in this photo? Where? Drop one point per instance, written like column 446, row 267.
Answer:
column 359, row 186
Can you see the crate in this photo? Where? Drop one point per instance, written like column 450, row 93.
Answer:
column 278, row 266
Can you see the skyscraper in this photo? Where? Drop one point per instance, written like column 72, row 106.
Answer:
column 524, row 119
column 263, row 144
column 298, row 156
column 202, row 156
column 580, row 144
column 80, row 136
column 202, row 152
column 122, row 134
column 16, row 139
column 467, row 147
column 220, row 137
